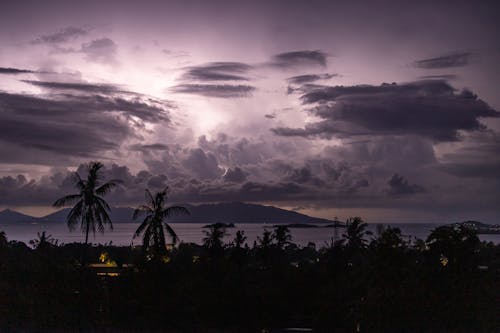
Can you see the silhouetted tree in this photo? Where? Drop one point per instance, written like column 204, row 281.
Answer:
column 43, row 241
column 282, row 236
column 213, row 240
column 454, row 246
column 3, row 239
column 90, row 210
column 153, row 240
column 355, row 233
column 239, row 239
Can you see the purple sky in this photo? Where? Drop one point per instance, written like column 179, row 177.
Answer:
column 384, row 109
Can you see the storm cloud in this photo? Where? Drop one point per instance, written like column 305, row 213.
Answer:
column 218, row 71
column 81, row 123
column 215, row 90
column 307, row 78
column 102, row 50
column 446, row 61
column 15, row 71
column 299, row 59
column 431, row 109
column 62, row 36
column 398, row 186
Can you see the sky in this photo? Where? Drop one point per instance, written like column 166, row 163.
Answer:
column 382, row 109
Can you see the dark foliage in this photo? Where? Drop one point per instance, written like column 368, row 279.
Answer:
column 383, row 283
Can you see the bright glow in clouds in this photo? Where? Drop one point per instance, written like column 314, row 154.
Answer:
column 276, row 102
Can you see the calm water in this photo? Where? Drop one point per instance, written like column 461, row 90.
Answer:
column 193, row 233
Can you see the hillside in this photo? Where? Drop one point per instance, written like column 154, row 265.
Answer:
column 8, row 216
column 235, row 212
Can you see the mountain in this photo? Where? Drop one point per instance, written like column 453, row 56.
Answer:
column 235, row 212
column 238, row 212
column 117, row 215
column 8, row 216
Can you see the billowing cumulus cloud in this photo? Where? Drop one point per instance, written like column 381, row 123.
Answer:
column 446, row 61
column 431, row 109
column 102, row 50
column 398, row 186
column 235, row 175
column 203, row 165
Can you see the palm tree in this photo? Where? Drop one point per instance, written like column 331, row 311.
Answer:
column 43, row 241
column 239, row 239
column 355, row 233
column 282, row 236
column 213, row 240
column 152, row 226
column 90, row 209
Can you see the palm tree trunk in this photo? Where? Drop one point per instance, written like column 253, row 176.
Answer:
column 86, row 233
column 85, row 251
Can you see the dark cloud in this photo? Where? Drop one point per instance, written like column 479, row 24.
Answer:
column 101, row 50
column 72, row 124
column 157, row 182
column 19, row 190
column 307, row 78
column 215, row 90
column 15, row 71
column 398, row 186
column 62, row 36
column 446, row 61
column 298, row 59
column 439, row 77
column 218, row 71
column 148, row 147
column 80, row 87
column 478, row 157
column 431, row 109
column 202, row 165
column 305, row 88
column 235, row 175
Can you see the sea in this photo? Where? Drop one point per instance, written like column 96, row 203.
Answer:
column 122, row 233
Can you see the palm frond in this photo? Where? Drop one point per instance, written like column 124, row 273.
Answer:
column 175, row 211
column 74, row 215
column 161, row 239
column 172, row 233
column 108, row 186
column 141, row 228
column 146, row 239
column 104, row 205
column 78, row 181
column 102, row 215
column 143, row 209
column 149, row 197
column 68, row 199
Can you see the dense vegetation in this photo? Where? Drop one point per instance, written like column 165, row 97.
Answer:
column 378, row 283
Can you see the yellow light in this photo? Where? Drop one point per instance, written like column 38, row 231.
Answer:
column 443, row 260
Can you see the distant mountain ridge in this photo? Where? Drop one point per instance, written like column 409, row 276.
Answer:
column 11, row 216
column 234, row 212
